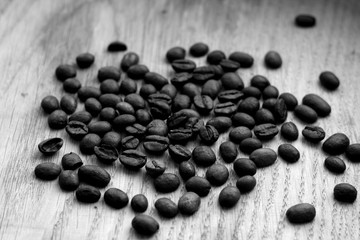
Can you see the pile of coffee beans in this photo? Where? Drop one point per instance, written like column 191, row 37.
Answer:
column 145, row 114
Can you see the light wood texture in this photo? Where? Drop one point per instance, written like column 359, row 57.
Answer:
column 38, row 35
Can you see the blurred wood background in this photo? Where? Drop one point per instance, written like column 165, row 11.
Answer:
column 38, row 35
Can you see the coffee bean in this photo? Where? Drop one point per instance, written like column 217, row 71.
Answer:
column 117, row 46
column 179, row 153
column 93, row 106
column 249, row 105
column 125, row 108
column 335, row 164
column 160, row 110
column 175, row 53
column 166, row 183
column 116, row 198
column 155, row 168
column 139, row 203
column 99, row 128
column 157, row 127
column 128, row 86
column 245, row 60
column 50, row 104
column 124, row 120
column 345, row 192
column 321, row 107
column 194, row 124
column 301, row 213
column 243, row 119
column 201, row 74
column 181, row 101
column 107, row 114
column 133, row 159
column 229, row 196
column 190, row 113
column 305, row 113
column 204, row 104
column 136, row 130
column 189, row 203
column 166, row 207
column 180, row 79
column 137, row 71
column 88, row 143
column 263, row 157
column 85, row 60
column 143, row 117
column 65, row 71
column 128, row 60
column 251, row 92
column 199, row 49
column 244, row 166
column 155, row 97
column 221, row 123
column 57, row 119
column 313, row 134
column 169, row 90
column 269, row 104
column 186, row 170
column 86, row 92
column 109, row 100
column 288, row 152
column 229, row 65
column 329, row 80
column 290, row 100
column 238, row 134
column 183, row 65
column 336, row 144
column 266, row 131
column 273, row 60
column 106, row 154
column 111, row 139
column 71, row 85
column 82, row 116
column 191, row 90
column 87, row 194
column 218, row 71
column 208, row 134
column 230, row 96
column 145, row 225
column 353, row 152
column 71, row 161
column 217, row 174
column 280, row 111
column 211, row 88
column 203, row 156
column 260, row 82
column 180, row 135
column 270, row 92
column 155, row 144
column 130, row 142
column 289, row 131
column 198, row 185
column 47, row 171
column 50, row 146
column 226, row 109
column 69, row 180
column 246, row 184
column 305, row 20
column 228, row 151
column 155, row 79
column 108, row 72
column 248, row 145
column 215, row 57
column 94, row 176
column 263, row 116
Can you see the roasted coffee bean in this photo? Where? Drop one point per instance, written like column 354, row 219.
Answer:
column 87, row 194
column 249, row 105
column 127, row 86
column 109, row 100
column 180, row 79
column 280, row 111
column 111, row 139
column 245, row 60
column 229, row 65
column 107, row 114
column 99, row 127
column 145, row 225
column 189, row 203
column 335, row 164
column 157, row 127
column 266, row 131
column 228, row 151
column 248, row 145
column 179, row 153
column 290, row 100
column 116, row 198
column 71, row 161
column 190, row 113
column 305, row 113
column 76, row 130
column 238, row 134
column 122, row 121
column 263, row 116
column 137, row 72
column 57, row 119
column 243, row 119
column 345, row 192
column 204, row 104
column 269, row 104
column 301, row 213
column 198, row 185
column 353, row 152
column 108, row 72
column 208, row 134
column 229, row 197
column 130, row 142
column 128, row 60
column 190, row 90
column 199, row 49
column 86, row 92
column 71, row 85
column 273, row 60
column 117, row 46
column 93, row 106
column 251, row 92
column 160, row 110
column 143, row 117
column 215, row 57
column 288, row 152
column 167, row 182
column 82, row 116
column 136, row 130
column 125, row 108
column 263, row 157
column 94, row 176
column 313, row 134
column 166, row 207
column 336, row 144
column 169, row 90
column 88, row 143
column 155, row 168
column 329, row 80
column 175, row 53
column 270, row 92
column 180, row 135
column 221, row 123
column 106, row 154
column 194, row 124
column 181, row 101
column 201, row 74
column 155, row 97
column 133, row 159
column 244, row 166
column 69, row 180
column 203, row 156
column 50, row 104
column 139, row 203
column 246, row 184
column 305, row 20
column 47, row 171
column 211, row 88
column 186, row 170
column 183, row 65
column 289, row 131
column 321, row 107
column 65, row 71
column 155, row 143
column 217, row 174
column 260, row 82
column 50, row 146
column 226, row 109
column 155, row 79
column 85, row 60
column 218, row 71
column 230, row 96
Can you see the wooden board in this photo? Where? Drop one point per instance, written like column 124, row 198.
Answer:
column 38, row 35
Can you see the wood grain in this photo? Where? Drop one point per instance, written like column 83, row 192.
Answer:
column 38, row 35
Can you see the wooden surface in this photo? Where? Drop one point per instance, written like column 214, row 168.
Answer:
column 38, row 35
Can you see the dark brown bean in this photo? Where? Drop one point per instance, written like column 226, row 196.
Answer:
column 71, row 161
column 94, row 176
column 88, row 194
column 50, row 146
column 47, row 171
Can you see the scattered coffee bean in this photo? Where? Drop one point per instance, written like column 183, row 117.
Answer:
column 313, row 134
column 180, row 79
column 226, row 109
column 109, row 100
column 117, row 46
column 305, row 20
column 130, row 142
column 245, row 60
column 112, row 139
column 65, row 71
column 155, row 143
column 88, row 143
column 166, row 183
column 107, row 114
column 321, row 107
column 93, row 106
column 181, row 101
column 57, row 119
column 221, row 123
column 137, row 72
column 244, row 166
column 108, row 72
column 243, row 119
column 88, row 194
column 76, row 130
column 179, row 153
column 290, row 100
column 269, row 104
column 246, row 183
column 301, row 213
column 186, row 170
column 215, row 57
column 289, row 131
column 263, row 157
column 266, row 131
column 335, row 164
column 122, row 121
column 249, row 105
column 129, row 59
column 201, row 74
column 305, row 113
column 125, row 108
column 139, row 203
column 69, row 180
column 50, row 104
column 239, row 133
column 229, row 197
column 248, row 145
column 180, row 135
column 157, row 127
column 218, row 71
column 183, row 65
column 143, row 117
column 99, row 127
column 71, row 85
column 166, row 207
column 106, row 154
column 47, row 171
column 194, row 124
column 288, row 152
column 217, row 174
column 86, row 92
column 81, row 116
column 273, row 60
column 211, row 88
column 145, row 225
column 198, row 185
column 71, row 161
column 230, row 96
column 229, row 65
column 169, row 90
column 259, row 82
column 177, row 120
column 199, row 49
column 50, row 146
column 127, row 86
column 270, row 92
column 329, row 80
column 190, row 90
column 280, row 111
column 94, row 176
column 155, row 168
column 85, row 60
column 228, row 151
column 203, row 156
column 263, row 116
column 189, row 203
column 345, row 192
column 133, row 159
column 336, row 144
column 353, row 152
column 175, row 53
column 208, row 134
column 116, row 198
